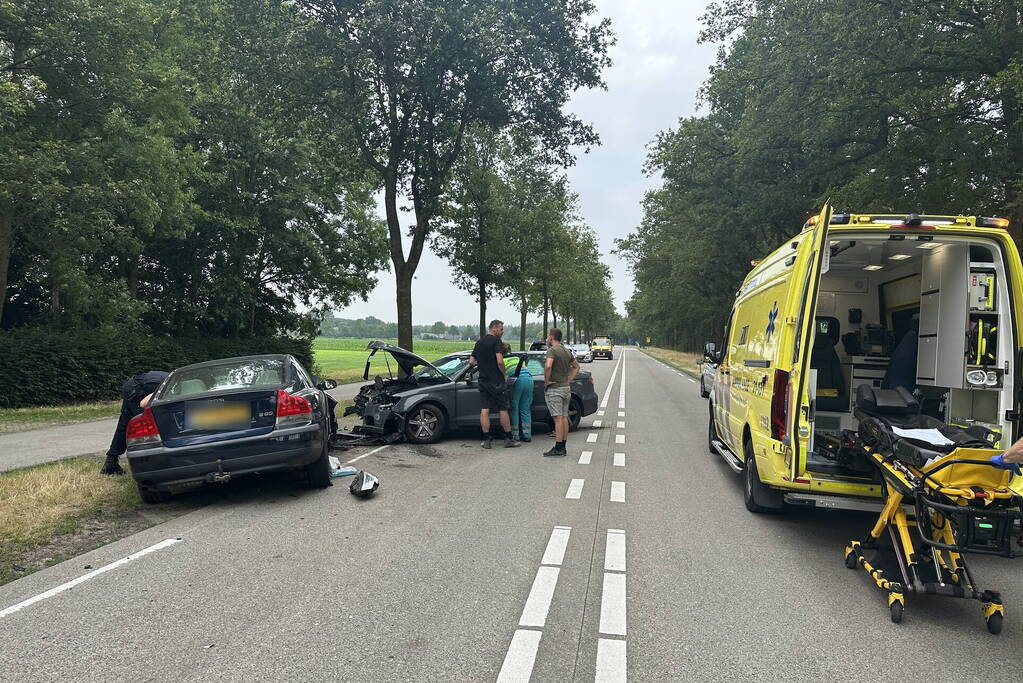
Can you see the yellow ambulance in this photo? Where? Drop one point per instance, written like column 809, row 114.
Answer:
column 602, row 348
column 919, row 301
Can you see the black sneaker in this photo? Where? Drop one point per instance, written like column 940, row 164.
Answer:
column 111, row 466
column 485, row 443
column 511, row 443
column 554, row 452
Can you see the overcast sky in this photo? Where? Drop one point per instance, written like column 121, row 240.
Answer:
column 658, row 67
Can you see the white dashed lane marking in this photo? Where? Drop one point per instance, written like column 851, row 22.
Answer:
column 575, row 489
column 612, row 605
column 600, row 413
column 538, row 604
column 621, row 424
column 621, row 413
column 597, row 423
column 619, row 460
column 619, row 438
column 614, row 553
column 584, row 457
column 612, row 666
column 617, row 491
column 591, row 437
column 554, row 554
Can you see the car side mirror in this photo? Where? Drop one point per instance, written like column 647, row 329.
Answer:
column 326, row 384
column 710, row 349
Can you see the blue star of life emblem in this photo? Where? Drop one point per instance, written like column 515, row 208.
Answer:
column 771, row 317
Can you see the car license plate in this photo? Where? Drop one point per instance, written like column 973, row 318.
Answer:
column 218, row 416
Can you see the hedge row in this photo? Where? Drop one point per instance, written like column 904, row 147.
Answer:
column 41, row 367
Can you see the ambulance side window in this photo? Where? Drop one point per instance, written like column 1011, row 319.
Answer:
column 742, row 335
column 726, row 339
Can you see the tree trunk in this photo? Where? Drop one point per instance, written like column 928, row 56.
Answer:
column 481, row 282
column 6, row 234
column 403, row 300
column 546, row 307
column 522, row 323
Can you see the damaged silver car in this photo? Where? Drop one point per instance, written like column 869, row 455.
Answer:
column 429, row 400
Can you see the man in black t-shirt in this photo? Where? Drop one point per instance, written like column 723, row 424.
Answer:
column 488, row 358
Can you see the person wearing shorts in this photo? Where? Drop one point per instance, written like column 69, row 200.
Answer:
column 560, row 369
column 488, row 358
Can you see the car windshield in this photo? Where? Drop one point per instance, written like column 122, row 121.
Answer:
column 602, row 341
column 246, row 374
column 448, row 365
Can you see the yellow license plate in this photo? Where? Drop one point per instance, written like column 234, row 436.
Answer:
column 220, row 416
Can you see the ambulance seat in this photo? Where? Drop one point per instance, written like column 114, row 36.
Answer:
column 832, row 393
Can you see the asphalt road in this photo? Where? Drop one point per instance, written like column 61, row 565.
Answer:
column 36, row 446
column 474, row 565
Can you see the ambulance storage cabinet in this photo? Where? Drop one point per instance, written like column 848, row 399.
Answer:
column 941, row 358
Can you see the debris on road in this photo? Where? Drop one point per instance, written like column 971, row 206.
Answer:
column 364, row 484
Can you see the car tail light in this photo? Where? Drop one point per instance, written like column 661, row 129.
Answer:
column 142, row 430
column 780, row 405
column 292, row 409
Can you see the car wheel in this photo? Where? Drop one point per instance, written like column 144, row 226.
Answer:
column 575, row 414
column 425, row 424
column 703, row 388
column 318, row 471
column 712, row 434
column 151, row 497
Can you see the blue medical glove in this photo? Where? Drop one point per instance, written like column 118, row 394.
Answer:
column 999, row 461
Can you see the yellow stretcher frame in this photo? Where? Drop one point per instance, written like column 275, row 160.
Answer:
column 957, row 483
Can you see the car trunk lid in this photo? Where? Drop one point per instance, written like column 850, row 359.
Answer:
column 215, row 416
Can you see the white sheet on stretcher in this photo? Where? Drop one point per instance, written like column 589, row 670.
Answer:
column 931, row 436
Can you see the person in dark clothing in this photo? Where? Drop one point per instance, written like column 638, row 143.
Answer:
column 488, row 358
column 135, row 394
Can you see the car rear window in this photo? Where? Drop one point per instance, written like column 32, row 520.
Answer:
column 248, row 374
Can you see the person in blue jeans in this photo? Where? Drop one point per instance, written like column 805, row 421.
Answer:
column 521, row 400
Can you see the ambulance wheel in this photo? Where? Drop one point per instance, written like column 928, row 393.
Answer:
column 896, row 609
column 994, row 623
column 758, row 498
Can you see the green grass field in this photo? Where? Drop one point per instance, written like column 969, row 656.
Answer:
column 344, row 360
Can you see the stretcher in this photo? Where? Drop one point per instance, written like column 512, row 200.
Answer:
column 938, row 507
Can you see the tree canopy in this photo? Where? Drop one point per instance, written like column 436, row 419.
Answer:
column 896, row 107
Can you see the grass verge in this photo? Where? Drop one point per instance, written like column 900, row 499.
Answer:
column 21, row 419
column 51, row 512
column 680, row 360
column 344, row 360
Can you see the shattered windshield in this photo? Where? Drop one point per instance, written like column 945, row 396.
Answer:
column 449, row 366
column 263, row 372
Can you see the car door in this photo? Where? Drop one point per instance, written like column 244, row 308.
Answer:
column 535, row 365
column 467, row 398
column 813, row 255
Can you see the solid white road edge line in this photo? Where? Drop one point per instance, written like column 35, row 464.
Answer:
column 614, row 551
column 618, row 492
column 611, row 663
column 610, row 384
column 612, row 605
column 375, row 450
column 85, row 577
column 554, row 554
column 584, row 457
column 518, row 663
column 591, row 437
column 540, row 595
column 575, row 489
column 619, row 460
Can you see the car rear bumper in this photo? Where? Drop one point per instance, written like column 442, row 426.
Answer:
column 603, row 353
column 163, row 468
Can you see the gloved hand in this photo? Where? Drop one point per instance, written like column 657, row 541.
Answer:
column 999, row 461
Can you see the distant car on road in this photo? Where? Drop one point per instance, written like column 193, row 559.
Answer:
column 707, row 370
column 213, row 421
column 603, row 348
column 582, row 352
column 435, row 398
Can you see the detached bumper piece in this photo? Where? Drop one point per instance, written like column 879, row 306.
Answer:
column 959, row 504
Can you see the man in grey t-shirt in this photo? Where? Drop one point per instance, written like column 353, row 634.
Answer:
column 559, row 371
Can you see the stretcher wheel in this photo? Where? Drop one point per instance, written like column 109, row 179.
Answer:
column 850, row 560
column 994, row 623
column 896, row 609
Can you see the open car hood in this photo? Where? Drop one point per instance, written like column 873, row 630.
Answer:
column 406, row 360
